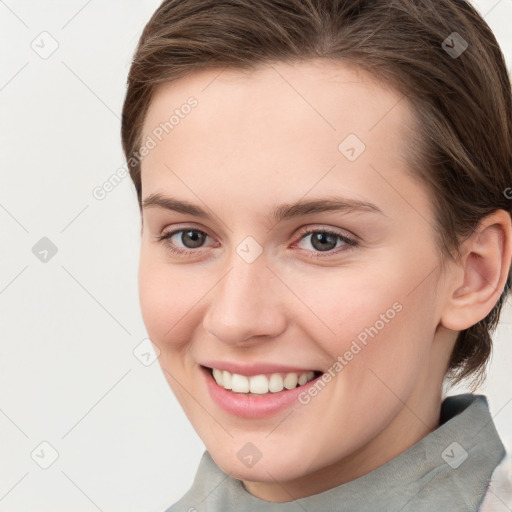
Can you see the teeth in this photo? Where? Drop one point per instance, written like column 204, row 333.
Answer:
column 217, row 375
column 226, row 379
column 260, row 384
column 290, row 381
column 239, row 383
column 303, row 378
column 275, row 383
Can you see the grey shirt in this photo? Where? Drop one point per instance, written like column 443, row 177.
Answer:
column 449, row 469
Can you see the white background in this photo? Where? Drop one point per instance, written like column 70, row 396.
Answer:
column 68, row 375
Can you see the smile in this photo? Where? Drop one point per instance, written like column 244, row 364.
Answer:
column 260, row 394
column 261, row 384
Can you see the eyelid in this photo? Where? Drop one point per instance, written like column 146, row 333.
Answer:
column 350, row 241
column 185, row 227
column 343, row 234
column 165, row 237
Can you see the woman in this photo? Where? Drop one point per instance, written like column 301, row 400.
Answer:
column 325, row 198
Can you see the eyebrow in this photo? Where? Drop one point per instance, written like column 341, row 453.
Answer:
column 281, row 212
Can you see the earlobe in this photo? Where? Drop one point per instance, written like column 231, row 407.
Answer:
column 481, row 274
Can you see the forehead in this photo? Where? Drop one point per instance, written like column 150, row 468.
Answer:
column 280, row 129
column 332, row 96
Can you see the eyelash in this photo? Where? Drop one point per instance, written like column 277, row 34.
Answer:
column 350, row 243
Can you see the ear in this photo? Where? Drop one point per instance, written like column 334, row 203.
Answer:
column 481, row 274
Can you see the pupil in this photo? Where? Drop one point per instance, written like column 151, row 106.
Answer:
column 192, row 239
column 320, row 239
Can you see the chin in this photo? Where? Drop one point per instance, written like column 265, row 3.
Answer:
column 273, row 464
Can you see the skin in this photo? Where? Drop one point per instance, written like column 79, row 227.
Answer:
column 269, row 136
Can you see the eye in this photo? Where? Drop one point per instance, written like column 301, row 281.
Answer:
column 189, row 238
column 188, row 241
column 326, row 241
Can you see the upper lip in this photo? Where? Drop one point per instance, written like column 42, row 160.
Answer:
column 254, row 368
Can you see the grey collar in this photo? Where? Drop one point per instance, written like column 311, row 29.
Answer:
column 449, row 469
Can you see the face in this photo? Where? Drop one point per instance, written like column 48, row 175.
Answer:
column 295, row 240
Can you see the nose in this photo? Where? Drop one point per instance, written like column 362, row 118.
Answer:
column 246, row 304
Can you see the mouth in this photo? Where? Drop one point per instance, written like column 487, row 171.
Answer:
column 262, row 384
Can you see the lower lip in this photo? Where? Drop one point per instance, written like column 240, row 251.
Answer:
column 253, row 406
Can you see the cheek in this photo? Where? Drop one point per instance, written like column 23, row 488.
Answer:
column 169, row 297
column 373, row 320
column 382, row 340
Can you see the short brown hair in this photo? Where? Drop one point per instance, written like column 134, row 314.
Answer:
column 462, row 148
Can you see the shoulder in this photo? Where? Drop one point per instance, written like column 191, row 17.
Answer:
column 498, row 497
column 208, row 477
